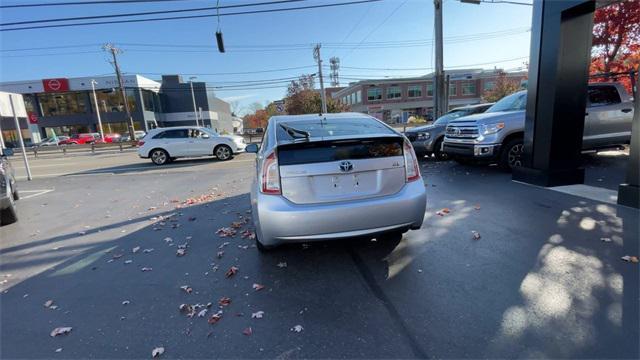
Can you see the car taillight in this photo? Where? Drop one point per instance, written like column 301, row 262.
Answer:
column 140, row 143
column 412, row 169
column 270, row 175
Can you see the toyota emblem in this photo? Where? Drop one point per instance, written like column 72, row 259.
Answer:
column 346, row 166
column 54, row 84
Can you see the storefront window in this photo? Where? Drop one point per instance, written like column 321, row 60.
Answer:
column 150, row 101
column 30, row 103
column 63, row 103
column 111, row 100
column 429, row 89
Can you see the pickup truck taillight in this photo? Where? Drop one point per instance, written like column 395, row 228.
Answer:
column 270, row 175
column 140, row 143
column 411, row 163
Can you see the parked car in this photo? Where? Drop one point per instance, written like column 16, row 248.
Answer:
column 138, row 133
column 108, row 138
column 163, row 145
column 52, row 141
column 8, row 190
column 333, row 176
column 497, row 135
column 86, row 138
column 427, row 140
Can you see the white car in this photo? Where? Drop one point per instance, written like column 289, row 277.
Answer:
column 162, row 145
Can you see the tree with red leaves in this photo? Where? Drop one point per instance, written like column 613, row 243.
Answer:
column 616, row 40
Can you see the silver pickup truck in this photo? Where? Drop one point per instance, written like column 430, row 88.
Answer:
column 497, row 135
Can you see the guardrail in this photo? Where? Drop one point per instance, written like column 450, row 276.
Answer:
column 65, row 149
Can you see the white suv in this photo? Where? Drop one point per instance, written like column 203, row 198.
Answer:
column 163, row 145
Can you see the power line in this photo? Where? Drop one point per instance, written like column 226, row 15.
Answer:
column 233, row 73
column 147, row 13
column 195, row 16
column 96, row 2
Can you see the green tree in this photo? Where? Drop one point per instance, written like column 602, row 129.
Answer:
column 502, row 87
column 302, row 98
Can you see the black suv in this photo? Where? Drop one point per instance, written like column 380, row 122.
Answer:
column 8, row 189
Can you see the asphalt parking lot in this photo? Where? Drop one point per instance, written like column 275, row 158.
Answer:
column 540, row 282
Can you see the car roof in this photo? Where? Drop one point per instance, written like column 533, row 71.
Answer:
column 174, row 128
column 472, row 106
column 344, row 115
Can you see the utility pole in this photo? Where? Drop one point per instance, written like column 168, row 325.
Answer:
column 440, row 92
column 193, row 98
column 114, row 51
column 323, row 96
column 95, row 101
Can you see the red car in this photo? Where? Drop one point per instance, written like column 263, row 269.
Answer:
column 79, row 139
column 109, row 138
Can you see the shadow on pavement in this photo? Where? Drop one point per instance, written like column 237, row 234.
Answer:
column 147, row 165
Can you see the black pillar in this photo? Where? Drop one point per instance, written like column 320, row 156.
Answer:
column 557, row 92
column 629, row 193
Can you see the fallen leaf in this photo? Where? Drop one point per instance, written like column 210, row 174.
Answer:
column 297, row 328
column 203, row 312
column 605, row 239
column 128, row 261
column 146, row 269
column 476, row 235
column 258, row 287
column 477, row 207
column 236, row 224
column 224, row 301
column 192, row 218
column 232, row 271
column 168, row 239
column 247, row 331
column 215, row 317
column 257, row 315
column 157, row 352
column 445, row 210
column 147, row 250
column 248, row 234
column 117, row 256
column 135, row 249
column 60, row 331
column 186, row 288
column 126, row 302
column 282, row 264
column 220, row 253
column 181, row 252
column 632, row 259
column 48, row 303
column 59, row 350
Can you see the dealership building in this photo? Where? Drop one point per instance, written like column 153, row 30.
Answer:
column 393, row 100
column 64, row 106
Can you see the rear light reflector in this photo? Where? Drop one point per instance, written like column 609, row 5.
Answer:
column 412, row 169
column 270, row 175
column 140, row 143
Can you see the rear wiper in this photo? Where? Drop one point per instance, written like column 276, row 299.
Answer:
column 295, row 133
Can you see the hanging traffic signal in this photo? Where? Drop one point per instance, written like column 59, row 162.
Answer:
column 220, row 41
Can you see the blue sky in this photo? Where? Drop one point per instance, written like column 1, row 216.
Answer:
column 385, row 21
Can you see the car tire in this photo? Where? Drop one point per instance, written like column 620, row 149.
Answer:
column 437, row 152
column 9, row 215
column 511, row 155
column 223, row 152
column 16, row 196
column 159, row 156
column 262, row 247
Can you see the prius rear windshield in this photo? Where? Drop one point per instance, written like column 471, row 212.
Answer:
column 333, row 127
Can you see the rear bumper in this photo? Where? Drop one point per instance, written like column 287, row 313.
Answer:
column 479, row 151
column 278, row 220
column 423, row 146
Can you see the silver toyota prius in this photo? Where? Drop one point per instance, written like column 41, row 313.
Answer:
column 333, row 176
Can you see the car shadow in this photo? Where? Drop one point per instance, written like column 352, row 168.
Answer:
column 149, row 166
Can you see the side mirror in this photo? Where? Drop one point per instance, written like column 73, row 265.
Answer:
column 7, row 152
column 205, row 136
column 252, row 148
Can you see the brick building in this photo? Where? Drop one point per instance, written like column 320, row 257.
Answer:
column 393, row 100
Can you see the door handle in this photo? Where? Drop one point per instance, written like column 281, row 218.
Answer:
column 586, row 114
column 626, row 110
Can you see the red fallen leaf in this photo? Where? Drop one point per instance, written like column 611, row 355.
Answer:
column 632, row 259
column 236, row 224
column 258, row 287
column 248, row 234
column 446, row 210
column 477, row 207
column 247, row 331
column 224, row 301
column 186, row 288
column 226, row 232
column 215, row 317
column 232, row 271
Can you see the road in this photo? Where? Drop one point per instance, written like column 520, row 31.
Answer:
column 538, row 283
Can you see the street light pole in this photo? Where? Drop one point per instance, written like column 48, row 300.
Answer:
column 20, row 139
column 95, row 101
column 438, row 82
column 193, row 97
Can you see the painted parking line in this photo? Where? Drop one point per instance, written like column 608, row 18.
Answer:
column 35, row 193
